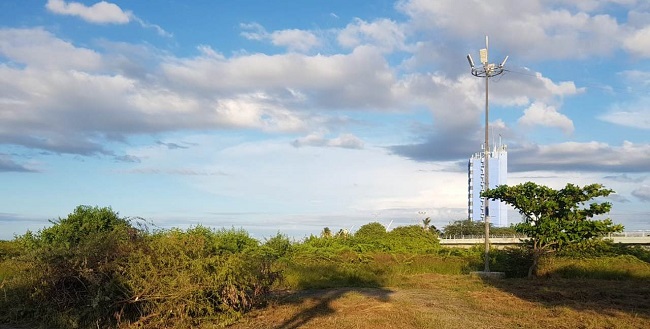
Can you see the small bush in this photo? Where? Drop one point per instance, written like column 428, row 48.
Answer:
column 513, row 261
column 70, row 272
column 278, row 246
column 182, row 279
column 8, row 250
column 413, row 239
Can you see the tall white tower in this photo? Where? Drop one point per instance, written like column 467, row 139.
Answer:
column 498, row 175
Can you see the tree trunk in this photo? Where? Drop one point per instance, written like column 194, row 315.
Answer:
column 532, row 270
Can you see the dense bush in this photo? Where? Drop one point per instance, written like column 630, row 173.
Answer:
column 70, row 272
column 180, row 279
column 370, row 257
column 413, row 239
column 514, row 262
column 93, row 269
column 8, row 250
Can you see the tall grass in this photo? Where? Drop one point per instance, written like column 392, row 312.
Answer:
column 622, row 267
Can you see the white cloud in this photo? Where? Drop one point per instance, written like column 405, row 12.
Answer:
column 643, row 193
column 39, row 48
column 635, row 114
column 314, row 139
column 292, row 39
column 62, row 98
column 590, row 156
column 155, row 27
column 638, row 43
column 383, row 33
column 319, row 138
column 253, row 31
column 101, row 12
column 540, row 114
column 636, row 77
column 254, row 111
column 361, row 79
column 348, row 141
column 295, row 40
column 533, row 29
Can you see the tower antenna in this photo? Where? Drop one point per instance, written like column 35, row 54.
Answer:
column 487, row 71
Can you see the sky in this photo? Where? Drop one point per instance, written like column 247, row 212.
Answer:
column 291, row 116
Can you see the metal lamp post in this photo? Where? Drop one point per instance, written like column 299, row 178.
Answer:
column 487, row 70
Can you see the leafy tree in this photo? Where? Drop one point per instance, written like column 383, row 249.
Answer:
column 326, row 233
column 465, row 227
column 371, row 231
column 280, row 245
column 510, row 230
column 553, row 219
column 425, row 223
column 470, row 227
column 433, row 229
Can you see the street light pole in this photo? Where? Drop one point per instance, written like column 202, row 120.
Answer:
column 487, row 71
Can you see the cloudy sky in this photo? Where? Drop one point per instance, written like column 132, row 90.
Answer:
column 295, row 115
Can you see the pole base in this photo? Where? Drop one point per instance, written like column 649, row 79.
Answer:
column 488, row 275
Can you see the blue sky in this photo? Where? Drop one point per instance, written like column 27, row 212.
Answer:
column 295, row 115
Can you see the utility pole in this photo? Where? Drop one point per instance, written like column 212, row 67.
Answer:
column 487, row 71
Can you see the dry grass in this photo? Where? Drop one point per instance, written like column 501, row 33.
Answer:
column 457, row 301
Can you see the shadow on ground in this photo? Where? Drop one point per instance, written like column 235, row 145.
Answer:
column 320, row 303
column 603, row 296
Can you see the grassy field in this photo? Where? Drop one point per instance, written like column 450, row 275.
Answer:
column 462, row 301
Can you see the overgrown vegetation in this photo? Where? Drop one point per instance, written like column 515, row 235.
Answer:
column 95, row 269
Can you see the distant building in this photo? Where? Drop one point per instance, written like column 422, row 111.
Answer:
column 498, row 175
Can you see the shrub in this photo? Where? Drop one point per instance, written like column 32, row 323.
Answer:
column 70, row 271
column 513, row 261
column 92, row 269
column 8, row 250
column 278, row 245
column 413, row 239
column 371, row 232
column 181, row 279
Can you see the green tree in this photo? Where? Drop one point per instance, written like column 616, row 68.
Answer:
column 371, row 231
column 553, row 219
column 326, row 233
column 425, row 223
column 500, row 231
column 465, row 227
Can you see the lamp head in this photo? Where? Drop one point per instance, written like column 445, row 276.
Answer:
column 470, row 60
column 504, row 62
